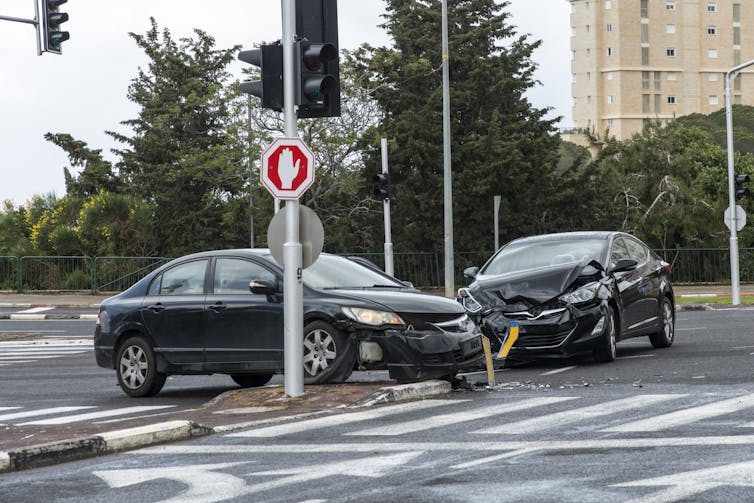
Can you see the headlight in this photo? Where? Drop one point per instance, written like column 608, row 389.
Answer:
column 468, row 301
column 372, row 317
column 586, row 293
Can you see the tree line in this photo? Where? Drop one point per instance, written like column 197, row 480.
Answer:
column 188, row 166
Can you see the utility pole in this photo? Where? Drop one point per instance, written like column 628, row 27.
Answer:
column 251, row 180
column 386, row 203
column 447, row 182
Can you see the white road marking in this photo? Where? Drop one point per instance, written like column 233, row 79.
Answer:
column 686, row 416
column 339, row 419
column 35, row 310
column 557, row 371
column 690, row 329
column 634, row 356
column 45, row 354
column 98, row 415
column 491, row 459
column 36, row 357
column 437, row 421
column 41, row 412
column 9, row 408
column 575, row 415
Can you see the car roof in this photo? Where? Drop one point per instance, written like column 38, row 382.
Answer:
column 568, row 236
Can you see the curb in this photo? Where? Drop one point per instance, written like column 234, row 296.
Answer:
column 37, row 317
column 143, row 436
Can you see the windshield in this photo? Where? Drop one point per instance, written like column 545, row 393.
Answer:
column 518, row 257
column 332, row 271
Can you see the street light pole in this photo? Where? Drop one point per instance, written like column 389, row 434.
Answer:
column 447, row 182
column 734, row 273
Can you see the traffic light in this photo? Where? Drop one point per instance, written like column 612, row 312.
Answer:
column 382, row 186
column 269, row 58
column 318, row 93
column 53, row 37
column 742, row 185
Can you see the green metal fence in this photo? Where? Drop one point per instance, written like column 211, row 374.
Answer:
column 423, row 269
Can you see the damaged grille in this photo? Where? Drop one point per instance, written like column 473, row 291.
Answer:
column 531, row 336
column 422, row 321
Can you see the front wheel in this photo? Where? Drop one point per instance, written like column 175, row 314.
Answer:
column 137, row 369
column 607, row 350
column 664, row 338
column 329, row 354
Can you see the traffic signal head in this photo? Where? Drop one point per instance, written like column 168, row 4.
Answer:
column 269, row 58
column 381, row 186
column 53, row 37
column 742, row 185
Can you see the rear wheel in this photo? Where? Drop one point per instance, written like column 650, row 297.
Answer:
column 329, row 354
column 137, row 369
column 251, row 380
column 664, row 338
column 607, row 350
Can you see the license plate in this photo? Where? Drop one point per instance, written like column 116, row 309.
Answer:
column 472, row 345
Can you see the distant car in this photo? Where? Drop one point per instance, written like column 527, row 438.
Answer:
column 222, row 312
column 572, row 293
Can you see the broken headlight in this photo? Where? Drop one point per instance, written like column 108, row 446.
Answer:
column 581, row 295
column 372, row 317
column 468, row 301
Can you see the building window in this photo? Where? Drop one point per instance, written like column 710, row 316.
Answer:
column 573, row 55
column 645, row 56
column 589, row 99
column 645, row 8
column 588, row 75
column 713, row 100
column 573, row 31
column 737, row 83
column 645, row 81
column 609, row 51
column 737, row 99
column 608, row 4
column 645, row 103
column 609, row 123
column 645, row 33
column 670, row 28
column 712, row 30
column 672, row 76
column 712, row 53
column 671, row 100
column 658, row 103
column 670, row 51
column 736, row 12
column 711, row 7
column 736, row 35
column 609, row 100
column 587, row 28
column 609, row 27
column 736, row 56
column 712, row 77
column 658, row 77
column 669, row 4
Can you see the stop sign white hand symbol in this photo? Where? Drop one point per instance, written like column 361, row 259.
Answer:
column 287, row 168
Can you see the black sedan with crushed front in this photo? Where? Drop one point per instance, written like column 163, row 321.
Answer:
column 222, row 312
column 572, row 293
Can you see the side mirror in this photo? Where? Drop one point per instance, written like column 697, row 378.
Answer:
column 261, row 287
column 625, row 264
column 471, row 272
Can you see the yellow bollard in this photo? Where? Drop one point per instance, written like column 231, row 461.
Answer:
column 488, row 360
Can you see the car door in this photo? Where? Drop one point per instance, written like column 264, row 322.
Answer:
column 173, row 313
column 244, row 330
column 628, row 286
column 648, row 307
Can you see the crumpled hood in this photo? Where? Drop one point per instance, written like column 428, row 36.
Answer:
column 402, row 301
column 525, row 289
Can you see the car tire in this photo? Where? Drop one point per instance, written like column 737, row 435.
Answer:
column 329, row 354
column 136, row 368
column 664, row 338
column 607, row 350
column 251, row 380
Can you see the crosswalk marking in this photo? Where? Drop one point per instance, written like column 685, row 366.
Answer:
column 339, row 419
column 35, row 310
column 41, row 412
column 457, row 417
column 16, row 358
column 686, row 416
column 575, row 415
column 8, row 408
column 15, row 354
column 97, row 415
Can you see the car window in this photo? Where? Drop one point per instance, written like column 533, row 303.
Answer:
column 638, row 251
column 332, row 271
column 619, row 252
column 233, row 275
column 183, row 279
column 535, row 254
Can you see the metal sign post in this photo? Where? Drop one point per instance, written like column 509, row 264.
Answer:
column 388, row 232
column 293, row 290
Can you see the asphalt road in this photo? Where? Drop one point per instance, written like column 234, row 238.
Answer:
column 654, row 426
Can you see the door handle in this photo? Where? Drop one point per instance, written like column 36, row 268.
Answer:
column 218, row 306
column 157, row 307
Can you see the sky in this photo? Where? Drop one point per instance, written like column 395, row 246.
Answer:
column 83, row 92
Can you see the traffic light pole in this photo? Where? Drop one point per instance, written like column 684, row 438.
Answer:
column 734, row 274
column 447, row 182
column 293, row 290
column 386, row 202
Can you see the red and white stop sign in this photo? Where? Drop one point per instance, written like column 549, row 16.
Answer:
column 287, row 168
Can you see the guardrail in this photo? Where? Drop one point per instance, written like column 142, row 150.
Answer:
column 423, row 269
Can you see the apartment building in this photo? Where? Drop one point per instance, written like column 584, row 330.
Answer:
column 640, row 60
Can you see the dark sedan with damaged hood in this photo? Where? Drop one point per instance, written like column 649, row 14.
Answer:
column 560, row 295
column 222, row 312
